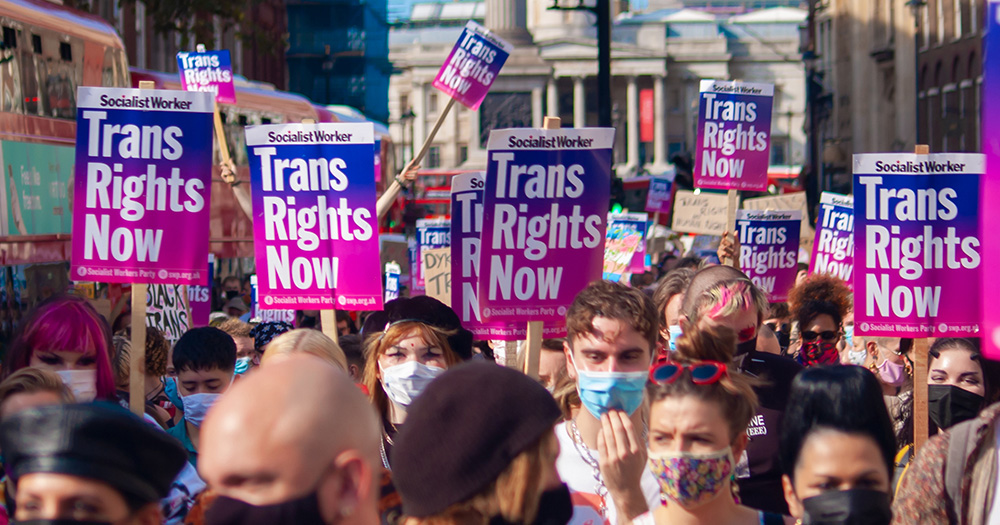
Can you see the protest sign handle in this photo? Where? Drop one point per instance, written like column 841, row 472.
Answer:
column 731, row 223
column 533, row 337
column 226, row 162
column 137, row 356
column 920, row 351
column 328, row 321
column 391, row 192
column 920, row 425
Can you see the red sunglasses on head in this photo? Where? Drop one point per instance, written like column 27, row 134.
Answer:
column 702, row 372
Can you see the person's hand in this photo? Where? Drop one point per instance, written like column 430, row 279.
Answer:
column 729, row 249
column 409, row 173
column 228, row 172
column 622, row 459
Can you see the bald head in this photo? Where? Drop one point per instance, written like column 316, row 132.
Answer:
column 278, row 434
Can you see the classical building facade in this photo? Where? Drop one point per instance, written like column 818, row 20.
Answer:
column 658, row 58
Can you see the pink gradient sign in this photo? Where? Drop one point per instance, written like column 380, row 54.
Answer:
column 918, row 247
column 734, row 135
column 833, row 249
column 208, row 71
column 141, row 186
column 473, row 65
column 990, row 189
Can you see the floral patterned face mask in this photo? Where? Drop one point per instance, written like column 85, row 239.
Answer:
column 692, row 479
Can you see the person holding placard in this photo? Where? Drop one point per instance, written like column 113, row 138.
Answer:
column 722, row 295
column 699, row 413
column 611, row 336
column 419, row 338
column 837, row 449
column 67, row 336
column 819, row 304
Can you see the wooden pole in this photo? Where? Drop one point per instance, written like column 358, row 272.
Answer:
column 533, row 342
column 734, row 199
column 328, row 320
column 920, row 351
column 430, row 136
column 137, row 357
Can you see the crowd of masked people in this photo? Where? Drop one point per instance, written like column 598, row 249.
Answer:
column 689, row 401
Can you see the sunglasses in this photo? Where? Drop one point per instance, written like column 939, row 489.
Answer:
column 702, row 372
column 828, row 335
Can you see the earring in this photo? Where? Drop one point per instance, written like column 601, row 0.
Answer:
column 873, row 367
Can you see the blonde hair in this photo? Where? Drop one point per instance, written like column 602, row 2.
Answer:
column 514, row 495
column 308, row 341
column 31, row 380
column 377, row 344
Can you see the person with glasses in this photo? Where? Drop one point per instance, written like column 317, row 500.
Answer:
column 724, row 296
column 820, row 304
column 698, row 417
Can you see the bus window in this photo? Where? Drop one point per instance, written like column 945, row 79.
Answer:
column 10, row 73
column 115, row 70
column 34, row 103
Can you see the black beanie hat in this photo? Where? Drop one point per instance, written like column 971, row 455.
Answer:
column 454, row 444
column 422, row 309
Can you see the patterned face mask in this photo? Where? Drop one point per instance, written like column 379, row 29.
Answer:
column 690, row 479
column 818, row 352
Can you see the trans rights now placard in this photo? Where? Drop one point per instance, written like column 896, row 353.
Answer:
column 314, row 224
column 473, row 65
column 769, row 249
column 141, row 186
column 917, row 244
column 833, row 248
column 208, row 71
column 734, row 135
column 990, row 195
column 545, row 208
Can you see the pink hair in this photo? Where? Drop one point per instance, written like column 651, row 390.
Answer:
column 65, row 324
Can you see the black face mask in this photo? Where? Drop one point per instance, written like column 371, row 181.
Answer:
column 228, row 511
column 784, row 339
column 746, row 347
column 848, row 507
column 948, row 405
column 554, row 508
column 232, row 294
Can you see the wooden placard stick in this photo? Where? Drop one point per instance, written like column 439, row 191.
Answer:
column 137, row 357
column 734, row 200
column 920, row 351
column 533, row 338
column 387, row 198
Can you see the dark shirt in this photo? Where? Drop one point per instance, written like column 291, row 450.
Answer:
column 760, row 488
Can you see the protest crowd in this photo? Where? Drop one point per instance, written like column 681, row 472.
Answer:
column 538, row 361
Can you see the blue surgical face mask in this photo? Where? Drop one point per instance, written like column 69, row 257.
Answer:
column 849, row 335
column 675, row 334
column 604, row 391
column 242, row 365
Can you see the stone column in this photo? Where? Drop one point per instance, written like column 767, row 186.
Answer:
column 536, row 107
column 552, row 98
column 420, row 110
column 509, row 20
column 632, row 126
column 659, row 122
column 579, row 104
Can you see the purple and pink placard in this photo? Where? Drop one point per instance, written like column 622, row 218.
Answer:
column 769, row 249
column 200, row 298
column 545, row 208
column 315, row 227
column 917, row 244
column 990, row 187
column 734, row 135
column 660, row 195
column 473, row 65
column 466, row 225
column 142, row 185
column 208, row 71
column 833, row 249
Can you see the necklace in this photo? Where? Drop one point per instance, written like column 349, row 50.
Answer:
column 599, row 488
column 381, row 446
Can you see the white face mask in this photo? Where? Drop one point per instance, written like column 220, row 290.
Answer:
column 83, row 383
column 404, row 382
column 196, row 406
